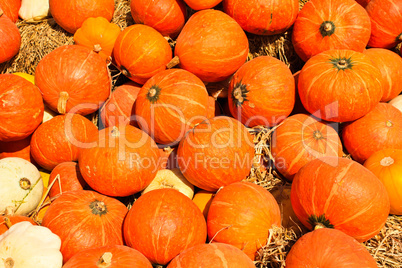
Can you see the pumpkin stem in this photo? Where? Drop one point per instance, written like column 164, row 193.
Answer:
column 319, row 226
column 152, row 92
column 105, row 260
column 115, row 132
column 174, row 62
column 387, row 161
column 125, row 71
column 327, row 28
column 97, row 48
column 389, row 123
column 7, row 222
column 342, row 63
column 25, row 184
column 239, row 94
column 98, row 207
column 318, row 135
column 8, row 263
column 62, row 102
column 319, row 222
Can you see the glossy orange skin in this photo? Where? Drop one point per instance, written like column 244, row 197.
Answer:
column 71, row 14
column 222, row 50
column 350, row 196
column 124, row 157
column 386, row 23
column 70, row 178
column 165, row 16
column 241, row 215
column 11, row 8
column 60, row 139
column 268, row 17
column 122, row 256
column 13, row 219
column 141, row 52
column 271, row 92
column 215, row 153
column 328, row 248
column 370, row 133
column 21, row 107
column 352, row 27
column 340, row 95
column 118, row 108
column 294, row 143
column 215, row 255
column 10, row 39
column 202, row 4
column 182, row 103
column 162, row 223
column 71, row 217
column 80, row 72
column 20, row 148
column 390, row 65
column 386, row 164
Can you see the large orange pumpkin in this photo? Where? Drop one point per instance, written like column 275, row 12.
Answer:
column 263, row 17
column 386, row 23
column 222, row 49
column 166, row 16
column 328, row 248
column 140, row 52
column 340, row 193
column 215, row 255
column 162, row 223
column 122, row 161
column 262, row 92
column 71, row 14
column 322, row 25
column 202, row 4
column 60, row 139
column 215, row 153
column 379, row 129
column 85, row 219
column 171, row 103
column 21, row 107
column 340, row 85
column 19, row 148
column 67, row 177
column 390, row 65
column 73, row 78
column 386, row 164
column 241, row 215
column 10, row 38
column 11, row 8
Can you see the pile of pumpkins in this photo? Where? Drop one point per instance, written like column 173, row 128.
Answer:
column 163, row 139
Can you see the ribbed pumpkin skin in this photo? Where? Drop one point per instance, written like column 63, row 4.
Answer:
column 85, row 219
column 386, row 164
column 262, row 92
column 141, row 52
column 322, row 25
column 166, row 16
column 241, row 215
column 10, row 38
column 21, row 107
column 13, row 219
column 202, row 4
column 268, row 17
column 340, row 85
column 342, row 193
column 60, row 139
column 215, row 153
column 162, row 223
column 78, row 72
column 171, row 103
column 222, row 49
column 390, row 65
column 124, row 157
column 379, row 129
column 118, row 108
column 328, row 248
column 11, row 8
column 215, row 255
column 20, row 148
column 386, row 23
column 69, row 176
column 300, row 139
column 122, row 257
column 71, row 14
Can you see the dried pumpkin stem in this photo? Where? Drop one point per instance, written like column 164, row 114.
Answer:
column 7, row 222
column 328, row 27
column 389, row 124
column 174, row 62
column 9, row 263
column 387, row 161
column 105, row 260
column 62, row 102
column 319, row 226
column 97, row 48
column 25, row 184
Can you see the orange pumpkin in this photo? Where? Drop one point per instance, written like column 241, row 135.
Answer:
column 11, row 8
column 213, row 107
column 322, row 25
column 67, row 177
column 203, row 201
column 99, row 35
column 386, row 164
column 10, row 38
column 202, row 4
column 340, row 193
column 222, row 49
column 7, row 221
column 20, row 148
column 241, row 215
column 70, row 15
column 379, row 129
column 141, row 52
column 177, row 96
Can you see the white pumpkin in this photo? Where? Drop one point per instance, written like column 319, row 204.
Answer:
column 171, row 178
column 21, row 185
column 34, row 10
column 397, row 102
column 30, row 246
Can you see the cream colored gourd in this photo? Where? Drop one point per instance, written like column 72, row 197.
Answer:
column 397, row 102
column 21, row 185
column 34, row 10
column 171, row 178
column 48, row 114
column 30, row 246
